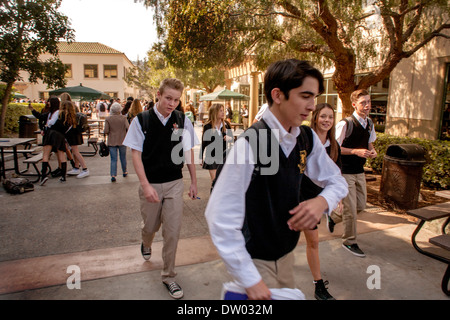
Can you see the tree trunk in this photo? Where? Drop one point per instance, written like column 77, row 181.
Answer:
column 5, row 101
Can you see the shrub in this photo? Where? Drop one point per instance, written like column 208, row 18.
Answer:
column 14, row 111
column 437, row 168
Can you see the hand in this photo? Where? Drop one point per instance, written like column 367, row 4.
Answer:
column 258, row 292
column 150, row 194
column 29, row 106
column 307, row 214
column 373, row 153
column 193, row 191
column 363, row 153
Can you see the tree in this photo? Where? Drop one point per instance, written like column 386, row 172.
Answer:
column 29, row 28
column 346, row 35
column 147, row 75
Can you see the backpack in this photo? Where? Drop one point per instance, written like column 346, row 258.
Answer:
column 349, row 122
column 82, row 123
column 305, row 137
column 17, row 185
column 102, row 107
column 103, row 149
column 144, row 118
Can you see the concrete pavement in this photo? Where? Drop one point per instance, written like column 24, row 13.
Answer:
column 93, row 226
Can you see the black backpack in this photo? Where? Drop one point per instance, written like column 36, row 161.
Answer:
column 304, row 138
column 103, row 149
column 144, row 118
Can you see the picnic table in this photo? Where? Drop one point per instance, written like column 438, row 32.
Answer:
column 430, row 213
column 13, row 143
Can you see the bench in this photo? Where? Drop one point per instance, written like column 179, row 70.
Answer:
column 91, row 142
column 443, row 241
column 430, row 213
column 34, row 160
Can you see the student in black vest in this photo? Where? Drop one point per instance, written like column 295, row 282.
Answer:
column 159, row 170
column 216, row 135
column 255, row 219
column 356, row 147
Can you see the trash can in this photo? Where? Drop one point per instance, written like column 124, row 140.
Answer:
column 402, row 175
column 27, row 126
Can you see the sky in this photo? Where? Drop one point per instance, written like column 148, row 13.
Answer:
column 120, row 24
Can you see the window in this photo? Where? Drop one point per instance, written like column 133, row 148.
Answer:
column 112, row 94
column 91, row 71
column 109, row 71
column 68, row 71
column 44, row 95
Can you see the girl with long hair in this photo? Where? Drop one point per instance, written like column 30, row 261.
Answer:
column 74, row 138
column 53, row 140
column 323, row 123
column 214, row 130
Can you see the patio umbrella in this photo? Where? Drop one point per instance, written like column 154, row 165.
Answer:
column 18, row 95
column 81, row 93
column 224, row 94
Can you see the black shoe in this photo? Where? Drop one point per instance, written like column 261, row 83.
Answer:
column 321, row 292
column 330, row 224
column 43, row 181
column 175, row 290
column 353, row 248
column 56, row 173
column 146, row 252
column 62, row 179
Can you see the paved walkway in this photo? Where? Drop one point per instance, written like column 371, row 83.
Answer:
column 93, row 225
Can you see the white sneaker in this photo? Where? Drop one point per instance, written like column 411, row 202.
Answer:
column 83, row 174
column 74, row 172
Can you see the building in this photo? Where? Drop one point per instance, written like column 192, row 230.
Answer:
column 414, row 101
column 92, row 64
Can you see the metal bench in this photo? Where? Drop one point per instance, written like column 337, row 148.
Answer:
column 430, row 213
column 91, row 142
column 443, row 241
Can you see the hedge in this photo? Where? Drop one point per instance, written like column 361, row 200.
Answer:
column 436, row 172
column 14, row 111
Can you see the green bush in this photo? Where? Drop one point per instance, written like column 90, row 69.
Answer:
column 437, row 168
column 14, row 111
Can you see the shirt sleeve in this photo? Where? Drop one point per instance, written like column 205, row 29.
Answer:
column 341, row 128
column 135, row 137
column 322, row 170
column 225, row 218
column 190, row 139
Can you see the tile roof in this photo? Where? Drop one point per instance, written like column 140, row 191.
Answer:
column 86, row 47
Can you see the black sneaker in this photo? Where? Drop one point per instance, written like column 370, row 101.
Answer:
column 330, row 224
column 146, row 252
column 175, row 290
column 56, row 173
column 321, row 292
column 43, row 181
column 353, row 248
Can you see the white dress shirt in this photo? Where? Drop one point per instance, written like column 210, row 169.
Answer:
column 225, row 211
column 341, row 128
column 135, row 136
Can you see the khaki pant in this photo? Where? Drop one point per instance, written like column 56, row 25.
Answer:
column 354, row 203
column 168, row 213
column 278, row 273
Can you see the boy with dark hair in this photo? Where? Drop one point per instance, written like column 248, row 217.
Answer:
column 255, row 216
column 159, row 169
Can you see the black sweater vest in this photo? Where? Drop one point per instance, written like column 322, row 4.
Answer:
column 358, row 139
column 267, row 203
column 157, row 150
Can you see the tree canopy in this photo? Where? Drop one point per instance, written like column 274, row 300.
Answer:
column 346, row 35
column 28, row 29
